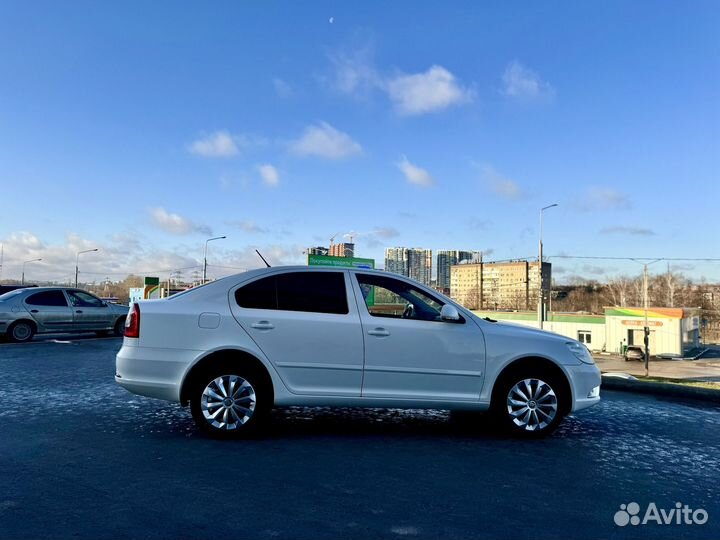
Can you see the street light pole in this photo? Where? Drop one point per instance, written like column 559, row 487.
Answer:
column 77, row 261
column 205, row 256
column 22, row 281
column 541, row 295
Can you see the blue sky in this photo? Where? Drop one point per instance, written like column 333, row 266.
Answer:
column 143, row 129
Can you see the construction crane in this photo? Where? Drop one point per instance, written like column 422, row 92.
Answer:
column 332, row 238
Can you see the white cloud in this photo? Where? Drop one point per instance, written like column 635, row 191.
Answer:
column 354, row 72
column 421, row 93
column 269, row 174
column 414, row 174
column 218, row 144
column 282, row 88
column 501, row 185
column 604, row 198
column 247, row 226
column 175, row 223
column 130, row 252
column 523, row 83
column 324, row 141
column 622, row 229
column 386, row 232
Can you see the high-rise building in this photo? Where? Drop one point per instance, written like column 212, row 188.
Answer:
column 448, row 258
column 415, row 263
column 511, row 285
column 343, row 249
column 396, row 261
column 319, row 250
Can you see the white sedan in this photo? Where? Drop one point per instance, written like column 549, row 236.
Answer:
column 314, row 336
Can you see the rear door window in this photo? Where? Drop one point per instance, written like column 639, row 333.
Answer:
column 47, row 298
column 313, row 292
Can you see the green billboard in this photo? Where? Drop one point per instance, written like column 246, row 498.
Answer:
column 347, row 262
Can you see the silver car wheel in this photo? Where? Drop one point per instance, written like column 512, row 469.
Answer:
column 228, row 402
column 532, row 404
column 21, row 332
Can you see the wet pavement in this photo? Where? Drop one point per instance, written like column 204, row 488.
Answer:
column 82, row 458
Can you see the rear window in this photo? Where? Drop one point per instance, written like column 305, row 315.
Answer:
column 11, row 294
column 314, row 292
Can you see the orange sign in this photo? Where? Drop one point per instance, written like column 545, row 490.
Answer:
column 641, row 323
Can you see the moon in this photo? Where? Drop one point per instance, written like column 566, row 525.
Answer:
column 331, row 20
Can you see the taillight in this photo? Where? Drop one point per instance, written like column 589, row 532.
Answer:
column 132, row 322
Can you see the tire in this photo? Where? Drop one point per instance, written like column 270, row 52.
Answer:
column 530, row 403
column 119, row 329
column 21, row 332
column 244, row 409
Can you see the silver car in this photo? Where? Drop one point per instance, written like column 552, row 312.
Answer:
column 37, row 310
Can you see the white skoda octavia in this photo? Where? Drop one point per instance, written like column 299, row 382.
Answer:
column 315, row 336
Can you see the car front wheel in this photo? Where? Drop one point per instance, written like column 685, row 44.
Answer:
column 230, row 403
column 530, row 405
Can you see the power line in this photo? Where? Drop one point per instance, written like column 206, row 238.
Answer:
column 698, row 259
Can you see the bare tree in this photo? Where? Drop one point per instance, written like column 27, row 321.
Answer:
column 618, row 291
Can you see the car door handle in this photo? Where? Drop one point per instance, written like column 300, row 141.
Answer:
column 263, row 325
column 380, row 332
column 33, row 311
column 78, row 311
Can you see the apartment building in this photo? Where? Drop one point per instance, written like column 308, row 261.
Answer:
column 507, row 285
column 445, row 260
column 415, row 263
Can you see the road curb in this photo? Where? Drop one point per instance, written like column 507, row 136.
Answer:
column 669, row 389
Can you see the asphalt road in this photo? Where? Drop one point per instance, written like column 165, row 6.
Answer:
column 82, row 458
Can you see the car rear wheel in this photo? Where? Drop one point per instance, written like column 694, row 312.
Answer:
column 21, row 332
column 530, row 404
column 230, row 402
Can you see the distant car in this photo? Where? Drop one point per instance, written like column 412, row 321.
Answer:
column 37, row 310
column 313, row 336
column 634, row 353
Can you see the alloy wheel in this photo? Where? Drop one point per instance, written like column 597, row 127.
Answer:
column 228, row 402
column 532, row 405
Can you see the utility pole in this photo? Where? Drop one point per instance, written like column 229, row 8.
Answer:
column 646, row 328
column 205, row 256
column 540, row 309
column 480, row 285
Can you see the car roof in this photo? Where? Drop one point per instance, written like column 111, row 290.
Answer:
column 49, row 288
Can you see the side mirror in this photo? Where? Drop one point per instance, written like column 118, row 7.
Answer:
column 449, row 313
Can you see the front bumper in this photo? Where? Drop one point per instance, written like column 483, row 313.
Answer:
column 585, row 380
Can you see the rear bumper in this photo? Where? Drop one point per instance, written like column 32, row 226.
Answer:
column 156, row 373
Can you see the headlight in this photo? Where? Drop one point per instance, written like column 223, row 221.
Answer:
column 580, row 351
